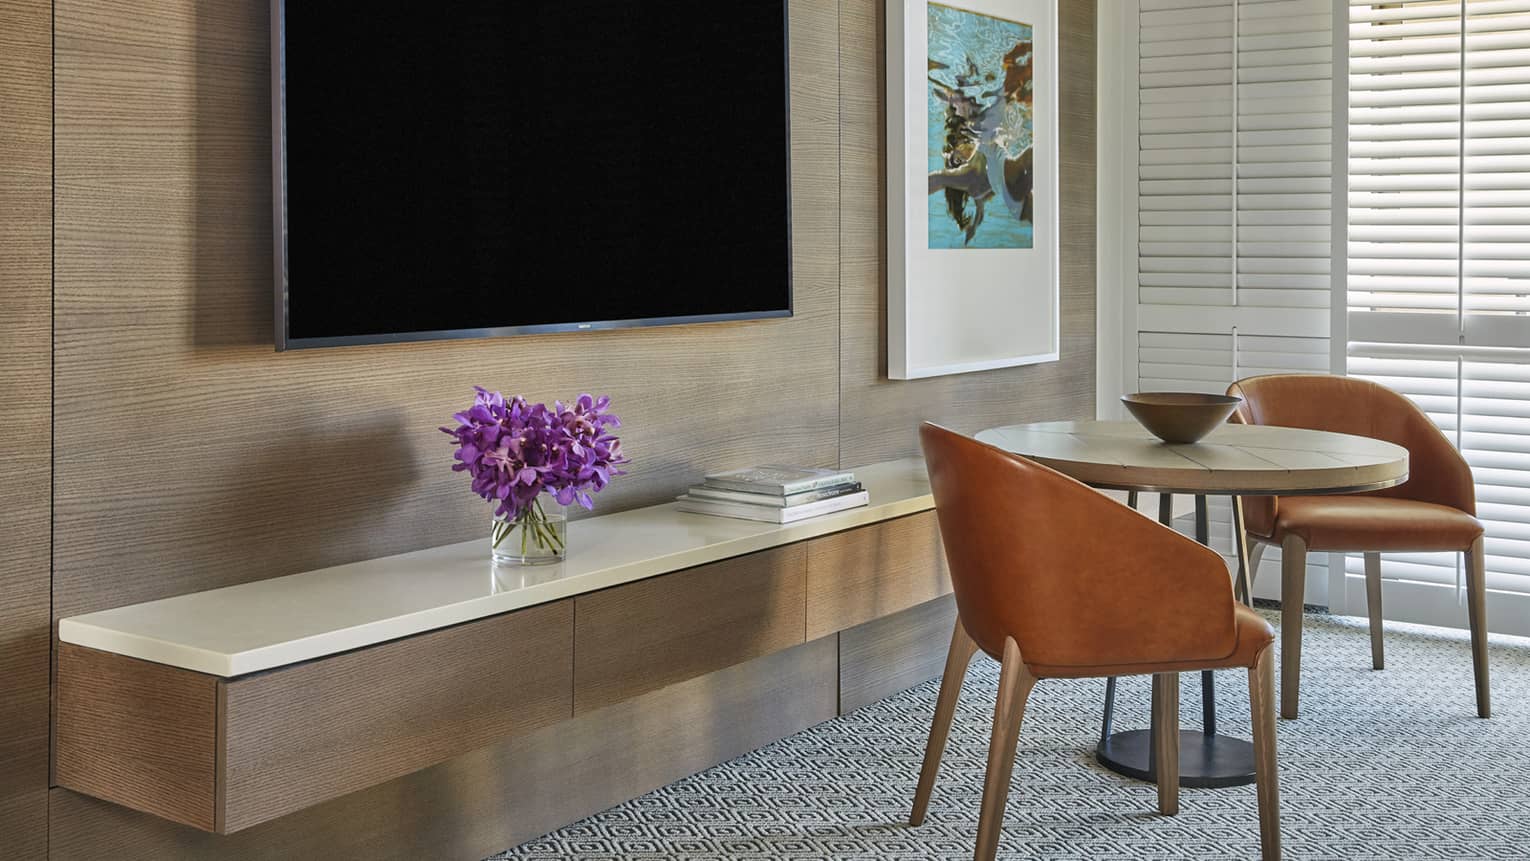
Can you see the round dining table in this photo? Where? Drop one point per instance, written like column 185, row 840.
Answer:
column 1235, row 460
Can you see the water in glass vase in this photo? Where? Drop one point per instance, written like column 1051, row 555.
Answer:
column 537, row 536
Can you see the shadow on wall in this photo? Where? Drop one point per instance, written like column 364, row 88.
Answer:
column 231, row 183
column 258, row 493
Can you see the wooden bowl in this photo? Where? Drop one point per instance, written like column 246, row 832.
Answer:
column 1180, row 417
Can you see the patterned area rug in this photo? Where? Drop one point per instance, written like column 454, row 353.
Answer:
column 1381, row 765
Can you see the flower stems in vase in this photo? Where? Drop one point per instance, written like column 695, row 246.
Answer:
column 535, row 526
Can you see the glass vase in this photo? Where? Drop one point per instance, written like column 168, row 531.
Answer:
column 537, row 536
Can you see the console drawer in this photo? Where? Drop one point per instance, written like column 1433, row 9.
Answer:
column 642, row 636
column 236, row 752
column 874, row 571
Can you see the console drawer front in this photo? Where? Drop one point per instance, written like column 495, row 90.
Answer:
column 642, row 636
column 863, row 574
column 299, row 735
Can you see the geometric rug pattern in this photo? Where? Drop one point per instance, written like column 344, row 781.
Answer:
column 1381, row 765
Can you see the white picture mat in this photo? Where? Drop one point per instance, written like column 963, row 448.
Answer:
column 953, row 311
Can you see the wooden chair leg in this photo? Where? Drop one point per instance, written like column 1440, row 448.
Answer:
column 1373, row 608
column 1015, row 683
column 962, row 650
column 1261, row 696
column 1476, row 611
column 1293, row 588
column 1166, row 740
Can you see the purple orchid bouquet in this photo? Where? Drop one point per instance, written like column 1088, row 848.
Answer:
column 516, row 451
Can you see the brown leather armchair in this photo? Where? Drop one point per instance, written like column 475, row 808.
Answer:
column 1037, row 590
column 1434, row 510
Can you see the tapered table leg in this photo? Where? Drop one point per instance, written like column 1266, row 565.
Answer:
column 1110, row 684
column 1208, row 681
column 1244, row 589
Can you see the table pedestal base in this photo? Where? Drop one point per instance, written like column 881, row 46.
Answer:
column 1204, row 760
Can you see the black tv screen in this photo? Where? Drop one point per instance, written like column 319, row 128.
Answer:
column 492, row 168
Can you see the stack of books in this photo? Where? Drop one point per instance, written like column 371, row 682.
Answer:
column 774, row 494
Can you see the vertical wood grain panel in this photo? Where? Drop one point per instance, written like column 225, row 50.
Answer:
column 642, row 636
column 301, row 735
column 871, row 572
column 878, row 416
column 26, row 164
column 137, row 733
column 228, row 462
column 495, row 798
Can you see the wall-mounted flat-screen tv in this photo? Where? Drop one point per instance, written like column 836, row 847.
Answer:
column 488, row 168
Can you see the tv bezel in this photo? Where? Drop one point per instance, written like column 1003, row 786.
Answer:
column 284, row 341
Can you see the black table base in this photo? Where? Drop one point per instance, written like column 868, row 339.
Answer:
column 1206, row 758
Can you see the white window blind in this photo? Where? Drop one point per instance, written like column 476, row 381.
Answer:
column 1185, row 152
column 1233, row 167
column 1496, row 200
column 1234, row 172
column 1234, row 115
column 1439, row 248
column 1284, row 153
column 1198, row 362
column 1439, row 171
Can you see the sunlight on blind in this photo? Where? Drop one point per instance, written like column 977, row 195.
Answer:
column 1404, row 156
column 1497, row 163
column 1439, row 227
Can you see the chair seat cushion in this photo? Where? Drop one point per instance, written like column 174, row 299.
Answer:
column 1252, row 635
column 1374, row 523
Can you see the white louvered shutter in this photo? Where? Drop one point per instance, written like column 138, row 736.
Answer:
column 1185, row 153
column 1496, row 212
column 1233, row 170
column 1233, row 222
column 1439, row 263
column 1284, row 155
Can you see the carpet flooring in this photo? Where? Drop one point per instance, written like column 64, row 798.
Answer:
column 1381, row 765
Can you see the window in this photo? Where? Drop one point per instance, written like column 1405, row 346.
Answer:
column 1240, row 237
column 1439, row 264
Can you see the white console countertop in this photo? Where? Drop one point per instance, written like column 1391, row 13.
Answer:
column 271, row 623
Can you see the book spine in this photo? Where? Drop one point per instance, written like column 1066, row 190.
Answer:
column 823, row 493
column 809, row 484
column 827, row 506
column 737, row 512
column 712, row 494
column 771, row 500
column 772, row 515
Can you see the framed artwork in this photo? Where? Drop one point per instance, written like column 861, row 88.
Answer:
column 972, row 185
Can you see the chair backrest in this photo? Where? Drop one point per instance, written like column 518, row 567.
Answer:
column 1075, row 577
column 1436, row 471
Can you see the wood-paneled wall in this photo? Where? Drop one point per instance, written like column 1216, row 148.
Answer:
column 201, row 458
column 879, row 417
column 230, row 463
column 26, row 222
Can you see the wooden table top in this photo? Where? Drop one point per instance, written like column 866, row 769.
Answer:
column 1243, row 460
